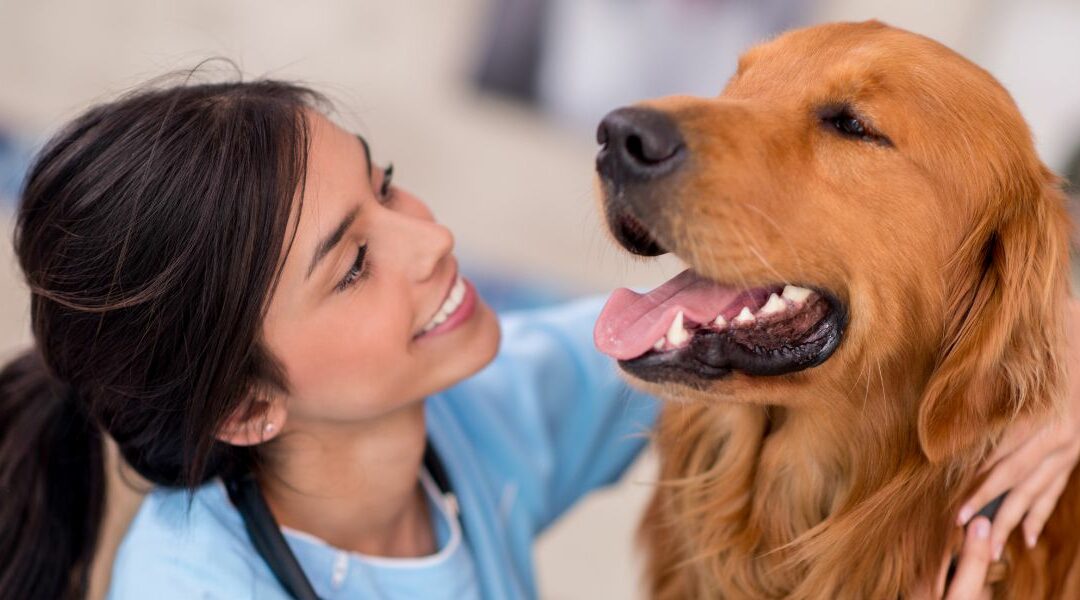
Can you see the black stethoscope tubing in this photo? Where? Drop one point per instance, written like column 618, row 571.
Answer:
column 266, row 536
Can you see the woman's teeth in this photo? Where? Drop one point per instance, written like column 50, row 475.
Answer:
column 451, row 304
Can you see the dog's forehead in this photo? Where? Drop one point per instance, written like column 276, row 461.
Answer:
column 907, row 83
column 843, row 59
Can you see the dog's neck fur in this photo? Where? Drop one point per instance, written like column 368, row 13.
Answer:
column 831, row 487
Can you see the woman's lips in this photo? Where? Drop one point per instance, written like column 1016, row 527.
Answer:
column 459, row 305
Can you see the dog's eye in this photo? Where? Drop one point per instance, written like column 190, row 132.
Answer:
column 849, row 125
column 845, row 122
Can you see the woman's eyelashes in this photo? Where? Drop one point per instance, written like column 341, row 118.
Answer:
column 356, row 271
column 386, row 190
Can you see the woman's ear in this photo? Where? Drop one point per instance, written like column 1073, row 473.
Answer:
column 1003, row 350
column 254, row 422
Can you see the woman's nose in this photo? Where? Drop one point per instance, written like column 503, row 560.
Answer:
column 422, row 244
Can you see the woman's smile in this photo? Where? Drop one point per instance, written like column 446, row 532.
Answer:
column 457, row 307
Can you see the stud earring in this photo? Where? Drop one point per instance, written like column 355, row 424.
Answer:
column 268, row 428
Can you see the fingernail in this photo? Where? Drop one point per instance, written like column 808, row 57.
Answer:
column 1031, row 539
column 998, row 549
column 965, row 515
column 982, row 529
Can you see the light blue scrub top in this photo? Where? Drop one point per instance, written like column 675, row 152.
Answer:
column 548, row 421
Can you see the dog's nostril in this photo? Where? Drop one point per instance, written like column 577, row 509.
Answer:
column 602, row 134
column 638, row 143
column 636, row 149
column 641, row 150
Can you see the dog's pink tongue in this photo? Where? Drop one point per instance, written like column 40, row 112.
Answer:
column 631, row 323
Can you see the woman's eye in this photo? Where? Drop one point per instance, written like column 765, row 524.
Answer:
column 386, row 190
column 356, row 271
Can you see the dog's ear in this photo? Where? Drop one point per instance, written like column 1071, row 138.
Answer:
column 1002, row 353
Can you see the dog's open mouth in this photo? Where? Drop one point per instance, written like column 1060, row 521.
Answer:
column 692, row 329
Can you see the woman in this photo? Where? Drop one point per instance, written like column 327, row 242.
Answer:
column 226, row 284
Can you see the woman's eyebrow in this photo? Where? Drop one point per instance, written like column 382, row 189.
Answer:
column 367, row 153
column 332, row 240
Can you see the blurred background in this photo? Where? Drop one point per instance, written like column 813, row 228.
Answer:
column 487, row 109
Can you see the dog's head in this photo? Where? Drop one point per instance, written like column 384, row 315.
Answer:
column 858, row 200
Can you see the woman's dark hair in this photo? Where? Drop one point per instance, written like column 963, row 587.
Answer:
column 150, row 231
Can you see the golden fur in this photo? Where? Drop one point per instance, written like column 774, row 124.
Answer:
column 949, row 250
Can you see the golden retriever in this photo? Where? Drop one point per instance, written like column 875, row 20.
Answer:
column 876, row 286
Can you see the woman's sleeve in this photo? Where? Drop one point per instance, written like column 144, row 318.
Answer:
column 551, row 415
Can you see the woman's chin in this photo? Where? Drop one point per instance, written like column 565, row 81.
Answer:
column 461, row 353
column 481, row 340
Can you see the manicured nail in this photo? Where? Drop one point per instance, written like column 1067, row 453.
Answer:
column 965, row 515
column 982, row 529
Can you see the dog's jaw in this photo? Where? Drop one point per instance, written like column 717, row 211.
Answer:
column 710, row 355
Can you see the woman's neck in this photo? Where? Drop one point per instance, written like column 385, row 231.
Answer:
column 356, row 486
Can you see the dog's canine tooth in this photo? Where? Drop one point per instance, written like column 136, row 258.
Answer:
column 744, row 316
column 773, row 306
column 677, row 334
column 659, row 345
column 720, row 321
column 796, row 293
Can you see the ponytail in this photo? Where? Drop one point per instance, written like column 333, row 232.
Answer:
column 52, row 485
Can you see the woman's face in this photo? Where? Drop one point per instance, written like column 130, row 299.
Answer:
column 359, row 319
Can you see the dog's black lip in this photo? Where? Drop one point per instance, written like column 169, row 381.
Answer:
column 713, row 355
column 632, row 234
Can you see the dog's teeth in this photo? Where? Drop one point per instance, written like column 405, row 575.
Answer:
column 744, row 316
column 677, row 334
column 720, row 321
column 659, row 345
column 796, row 293
column 773, row 306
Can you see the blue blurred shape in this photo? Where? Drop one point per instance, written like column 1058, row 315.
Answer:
column 15, row 154
column 502, row 291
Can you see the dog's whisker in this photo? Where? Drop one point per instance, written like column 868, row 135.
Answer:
column 749, row 246
column 715, row 258
column 866, row 391
column 753, row 248
column 780, row 232
column 881, row 377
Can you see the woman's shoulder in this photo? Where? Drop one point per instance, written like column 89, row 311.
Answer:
column 549, row 344
column 547, row 370
column 185, row 544
column 197, row 516
column 574, row 318
column 549, row 419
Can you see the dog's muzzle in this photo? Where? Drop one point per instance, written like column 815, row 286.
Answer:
column 639, row 147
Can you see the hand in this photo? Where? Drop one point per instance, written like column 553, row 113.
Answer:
column 969, row 580
column 1033, row 461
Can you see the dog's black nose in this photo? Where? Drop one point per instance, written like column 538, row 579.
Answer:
column 639, row 144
